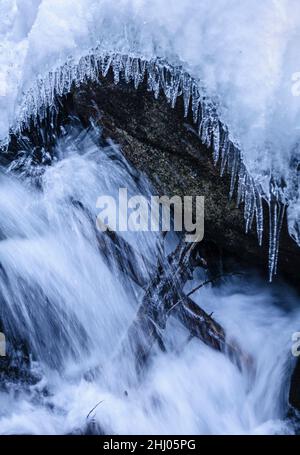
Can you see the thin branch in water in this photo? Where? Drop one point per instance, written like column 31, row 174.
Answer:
column 216, row 278
column 204, row 283
column 94, row 409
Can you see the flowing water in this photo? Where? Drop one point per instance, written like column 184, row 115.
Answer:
column 59, row 296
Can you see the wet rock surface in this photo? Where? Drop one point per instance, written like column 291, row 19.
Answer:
column 161, row 143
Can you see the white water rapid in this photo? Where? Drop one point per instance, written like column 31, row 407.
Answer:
column 58, row 294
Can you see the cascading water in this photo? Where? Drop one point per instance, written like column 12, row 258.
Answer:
column 58, row 295
column 63, row 304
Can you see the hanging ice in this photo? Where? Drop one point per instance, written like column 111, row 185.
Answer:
column 172, row 82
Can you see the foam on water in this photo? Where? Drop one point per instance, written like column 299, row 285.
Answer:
column 58, row 294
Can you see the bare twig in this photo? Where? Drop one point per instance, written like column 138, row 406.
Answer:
column 94, row 409
column 212, row 280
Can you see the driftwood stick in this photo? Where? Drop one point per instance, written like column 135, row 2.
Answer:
column 164, row 296
column 150, row 321
column 202, row 326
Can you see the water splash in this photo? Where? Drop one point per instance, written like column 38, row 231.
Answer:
column 59, row 295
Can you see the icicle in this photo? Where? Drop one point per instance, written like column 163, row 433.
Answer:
column 116, row 66
column 153, row 79
column 259, row 215
column 186, row 92
column 203, row 126
column 82, row 69
column 234, row 170
column 174, row 89
column 57, row 90
column 164, row 82
column 48, row 89
column 282, row 210
column 241, row 185
column 136, row 73
column 195, row 103
column 92, row 71
column 169, row 81
column 128, row 69
column 142, row 65
column 216, row 142
column 204, row 130
column 249, row 203
column 223, row 152
column 224, row 156
column 272, row 236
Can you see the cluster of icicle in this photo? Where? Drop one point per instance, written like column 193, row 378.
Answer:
column 172, row 82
